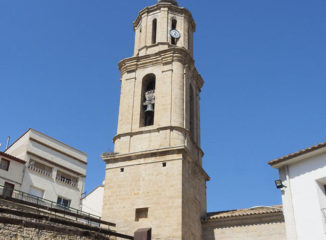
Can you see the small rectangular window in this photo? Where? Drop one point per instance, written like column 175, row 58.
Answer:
column 164, row 164
column 4, row 164
column 325, row 189
column 141, row 213
column 63, row 202
column 122, row 169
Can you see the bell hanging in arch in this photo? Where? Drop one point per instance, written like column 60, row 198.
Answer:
column 149, row 108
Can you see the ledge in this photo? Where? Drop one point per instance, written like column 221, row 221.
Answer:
column 163, row 57
column 157, row 129
column 171, row 7
column 107, row 157
column 256, row 219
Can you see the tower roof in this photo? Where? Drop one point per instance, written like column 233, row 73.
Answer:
column 174, row 2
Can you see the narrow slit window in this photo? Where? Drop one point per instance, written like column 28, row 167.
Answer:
column 174, row 27
column 192, row 112
column 174, row 24
column 189, row 39
column 325, row 189
column 154, row 31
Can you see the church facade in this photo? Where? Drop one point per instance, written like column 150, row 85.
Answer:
column 154, row 177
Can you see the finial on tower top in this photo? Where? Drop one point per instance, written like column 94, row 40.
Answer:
column 174, row 2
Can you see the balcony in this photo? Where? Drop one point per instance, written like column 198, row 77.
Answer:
column 40, row 170
column 66, row 179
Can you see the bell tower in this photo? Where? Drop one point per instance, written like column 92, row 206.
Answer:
column 154, row 178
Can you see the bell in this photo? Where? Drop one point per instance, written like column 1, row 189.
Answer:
column 150, row 108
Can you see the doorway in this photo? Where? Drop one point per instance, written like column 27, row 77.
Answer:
column 8, row 189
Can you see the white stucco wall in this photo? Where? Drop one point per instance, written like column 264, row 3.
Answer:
column 57, row 155
column 52, row 188
column 303, row 198
column 93, row 202
column 14, row 175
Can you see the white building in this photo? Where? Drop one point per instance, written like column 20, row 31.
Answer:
column 93, row 202
column 53, row 170
column 11, row 173
column 303, row 175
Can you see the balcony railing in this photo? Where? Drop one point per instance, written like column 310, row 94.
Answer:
column 40, row 171
column 57, row 212
column 66, row 181
column 83, row 217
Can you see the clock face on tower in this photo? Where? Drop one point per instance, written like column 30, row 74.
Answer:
column 175, row 34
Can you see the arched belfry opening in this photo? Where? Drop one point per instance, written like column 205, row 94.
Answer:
column 154, row 31
column 148, row 100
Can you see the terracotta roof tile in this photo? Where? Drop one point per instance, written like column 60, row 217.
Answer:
column 293, row 155
column 244, row 212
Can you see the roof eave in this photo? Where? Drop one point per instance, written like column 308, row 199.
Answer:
column 297, row 157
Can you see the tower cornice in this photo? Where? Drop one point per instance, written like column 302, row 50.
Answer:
column 170, row 6
column 158, row 129
column 164, row 57
column 109, row 157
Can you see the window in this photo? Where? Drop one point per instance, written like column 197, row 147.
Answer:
column 40, row 168
column 192, row 111
column 164, row 164
column 174, row 27
column 66, row 179
column 141, row 213
column 36, row 192
column 62, row 202
column 154, row 31
column 148, row 101
column 325, row 189
column 4, row 164
column 190, row 44
column 122, row 169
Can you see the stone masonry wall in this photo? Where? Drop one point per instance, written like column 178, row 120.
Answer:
column 13, row 232
column 264, row 231
column 19, row 221
column 145, row 183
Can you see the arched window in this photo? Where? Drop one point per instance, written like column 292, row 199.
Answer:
column 154, row 31
column 174, row 27
column 192, row 111
column 148, row 100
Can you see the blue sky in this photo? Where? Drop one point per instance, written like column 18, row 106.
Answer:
column 263, row 62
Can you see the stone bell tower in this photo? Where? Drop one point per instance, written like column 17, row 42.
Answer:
column 154, row 178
